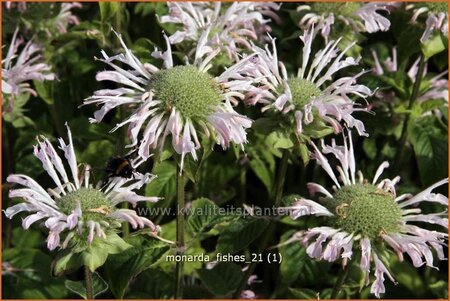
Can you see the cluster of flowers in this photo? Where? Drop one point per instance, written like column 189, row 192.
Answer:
column 187, row 102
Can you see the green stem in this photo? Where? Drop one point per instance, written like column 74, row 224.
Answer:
column 414, row 95
column 278, row 190
column 243, row 185
column 89, row 283
column 8, row 167
column 342, row 276
column 279, row 183
column 180, row 234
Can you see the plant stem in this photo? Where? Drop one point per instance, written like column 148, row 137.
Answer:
column 180, row 234
column 89, row 283
column 278, row 190
column 279, row 181
column 404, row 134
column 342, row 276
column 7, row 152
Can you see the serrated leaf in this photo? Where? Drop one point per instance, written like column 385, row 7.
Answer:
column 223, row 279
column 303, row 293
column 294, row 259
column 165, row 185
column 429, row 140
column 263, row 170
column 239, row 234
column 204, row 216
column 132, row 262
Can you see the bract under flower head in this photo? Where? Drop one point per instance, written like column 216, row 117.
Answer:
column 231, row 26
column 314, row 93
column 368, row 217
column 175, row 100
column 75, row 208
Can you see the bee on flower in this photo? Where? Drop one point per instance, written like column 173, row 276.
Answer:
column 231, row 26
column 368, row 220
column 75, row 212
column 181, row 101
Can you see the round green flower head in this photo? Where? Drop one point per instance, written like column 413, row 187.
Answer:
column 193, row 93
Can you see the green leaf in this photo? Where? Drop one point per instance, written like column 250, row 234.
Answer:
column 429, row 139
column 26, row 275
column 204, row 215
column 264, row 170
column 45, row 90
column 92, row 155
column 99, row 286
column 165, row 184
column 66, row 262
column 144, row 254
column 303, row 293
column 27, row 238
column 239, row 234
column 304, row 153
column 108, row 9
column 294, row 256
column 223, row 279
column 279, row 140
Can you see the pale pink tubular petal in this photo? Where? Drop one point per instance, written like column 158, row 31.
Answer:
column 302, row 207
column 132, row 198
column 430, row 26
column 32, row 184
column 377, row 287
column 72, row 219
column 322, row 161
column 426, row 195
column 41, row 154
column 339, row 241
column 13, row 210
column 53, row 238
column 379, row 171
column 428, row 218
column 366, row 252
column 30, row 219
column 69, row 153
column 91, row 227
column 313, row 188
column 372, row 19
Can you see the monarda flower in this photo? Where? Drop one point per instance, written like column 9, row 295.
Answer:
column 359, row 16
column 231, row 26
column 76, row 213
column 176, row 100
column 437, row 17
column 45, row 16
column 315, row 95
column 367, row 219
column 18, row 69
